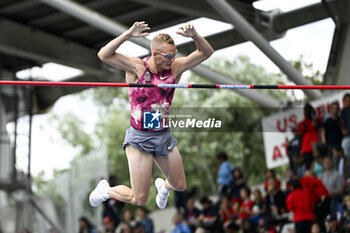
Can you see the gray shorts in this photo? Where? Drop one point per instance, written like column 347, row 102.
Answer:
column 154, row 142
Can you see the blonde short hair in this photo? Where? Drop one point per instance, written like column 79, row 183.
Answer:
column 347, row 198
column 160, row 39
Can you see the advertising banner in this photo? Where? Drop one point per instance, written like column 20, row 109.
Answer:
column 277, row 127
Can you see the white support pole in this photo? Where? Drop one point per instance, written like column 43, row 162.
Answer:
column 250, row 33
column 6, row 158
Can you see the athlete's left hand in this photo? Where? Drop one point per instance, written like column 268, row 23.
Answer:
column 187, row 30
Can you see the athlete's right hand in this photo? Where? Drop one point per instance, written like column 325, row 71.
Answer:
column 138, row 29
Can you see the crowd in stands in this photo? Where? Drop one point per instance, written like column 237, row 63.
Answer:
column 314, row 196
column 129, row 223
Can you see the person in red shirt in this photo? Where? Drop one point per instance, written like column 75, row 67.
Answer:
column 302, row 204
column 246, row 207
column 315, row 186
column 227, row 212
column 307, row 130
column 321, row 197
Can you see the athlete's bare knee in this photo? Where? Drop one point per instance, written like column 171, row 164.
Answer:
column 181, row 186
column 140, row 200
column 130, row 197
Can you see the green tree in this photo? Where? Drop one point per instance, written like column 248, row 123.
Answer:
column 44, row 188
column 72, row 131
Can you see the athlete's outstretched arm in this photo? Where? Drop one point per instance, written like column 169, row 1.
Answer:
column 108, row 53
column 204, row 50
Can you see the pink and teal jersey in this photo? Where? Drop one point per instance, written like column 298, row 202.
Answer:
column 145, row 99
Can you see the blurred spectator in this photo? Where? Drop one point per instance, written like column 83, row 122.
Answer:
column 321, row 198
column 228, row 213
column 248, row 226
column 334, row 183
column 224, row 173
column 315, row 228
column 307, row 130
column 332, row 224
column 331, row 128
column 246, row 207
column 180, row 226
column 320, row 150
column 289, row 176
column 275, row 199
column 128, row 219
column 345, row 125
column 144, row 220
column 299, row 165
column 268, row 225
column 232, row 228
column 271, row 174
column 341, row 163
column 85, row 226
column 138, row 228
column 345, row 218
column 112, row 207
column 259, row 207
column 180, row 199
column 108, row 225
column 191, row 214
column 302, row 204
column 237, row 183
column 293, row 146
column 208, row 217
column 125, row 228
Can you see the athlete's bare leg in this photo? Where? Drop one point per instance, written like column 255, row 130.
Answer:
column 173, row 169
column 140, row 169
